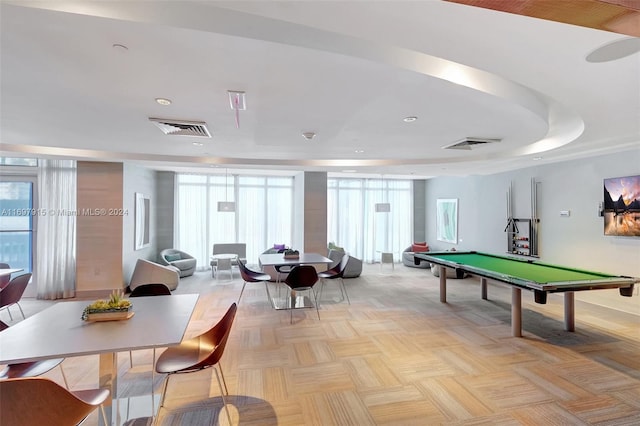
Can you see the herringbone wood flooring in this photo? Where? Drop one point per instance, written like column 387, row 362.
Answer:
column 397, row 356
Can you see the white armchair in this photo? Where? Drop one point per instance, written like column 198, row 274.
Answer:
column 185, row 263
column 146, row 272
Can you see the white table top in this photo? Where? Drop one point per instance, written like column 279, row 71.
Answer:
column 304, row 259
column 59, row 331
column 4, row 272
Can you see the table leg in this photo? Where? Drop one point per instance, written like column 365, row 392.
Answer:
column 569, row 311
column 108, row 378
column 443, row 284
column 483, row 285
column 516, row 312
column 266, row 286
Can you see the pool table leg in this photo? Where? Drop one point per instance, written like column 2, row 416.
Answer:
column 516, row 312
column 443, row 284
column 569, row 312
column 483, row 285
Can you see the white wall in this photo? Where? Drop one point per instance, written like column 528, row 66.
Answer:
column 143, row 180
column 165, row 209
column 577, row 240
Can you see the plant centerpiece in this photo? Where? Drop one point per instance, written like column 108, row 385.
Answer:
column 291, row 254
column 115, row 308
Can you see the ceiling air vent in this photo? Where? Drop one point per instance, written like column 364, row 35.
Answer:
column 470, row 143
column 196, row 129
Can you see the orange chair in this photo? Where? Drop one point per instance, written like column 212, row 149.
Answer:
column 196, row 354
column 30, row 369
column 12, row 293
column 40, row 401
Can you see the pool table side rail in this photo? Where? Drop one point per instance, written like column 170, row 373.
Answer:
column 607, row 281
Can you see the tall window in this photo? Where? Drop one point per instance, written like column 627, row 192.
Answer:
column 353, row 223
column 17, row 222
column 263, row 216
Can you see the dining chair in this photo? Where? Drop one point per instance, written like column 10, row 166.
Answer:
column 40, row 401
column 30, row 369
column 4, row 280
column 147, row 290
column 301, row 278
column 387, row 257
column 199, row 353
column 335, row 273
column 12, row 293
column 251, row 276
column 224, row 265
column 155, row 289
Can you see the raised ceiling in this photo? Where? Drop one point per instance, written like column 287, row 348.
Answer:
column 80, row 79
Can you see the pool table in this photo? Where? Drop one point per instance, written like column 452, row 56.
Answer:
column 528, row 274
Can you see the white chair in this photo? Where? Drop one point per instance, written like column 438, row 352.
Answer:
column 224, row 265
column 386, row 257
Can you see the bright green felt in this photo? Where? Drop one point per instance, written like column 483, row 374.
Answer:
column 535, row 272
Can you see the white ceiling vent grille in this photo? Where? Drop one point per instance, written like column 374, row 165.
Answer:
column 470, row 143
column 196, row 129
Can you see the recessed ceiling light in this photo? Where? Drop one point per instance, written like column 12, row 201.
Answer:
column 163, row 101
column 409, row 119
column 537, row 158
column 359, row 151
column 197, row 143
column 308, row 135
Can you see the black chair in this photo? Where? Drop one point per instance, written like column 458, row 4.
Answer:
column 12, row 293
column 201, row 352
column 146, row 290
column 30, row 369
column 335, row 273
column 301, row 278
column 250, row 276
column 151, row 290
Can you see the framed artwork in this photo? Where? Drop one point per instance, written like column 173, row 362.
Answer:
column 621, row 206
column 142, row 237
column 447, row 220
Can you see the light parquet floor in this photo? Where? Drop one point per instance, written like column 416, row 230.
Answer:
column 397, row 356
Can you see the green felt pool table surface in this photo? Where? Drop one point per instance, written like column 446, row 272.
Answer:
column 523, row 273
column 527, row 273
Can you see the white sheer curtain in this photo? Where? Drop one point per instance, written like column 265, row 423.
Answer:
column 56, row 233
column 192, row 218
column 263, row 216
column 352, row 222
column 266, row 214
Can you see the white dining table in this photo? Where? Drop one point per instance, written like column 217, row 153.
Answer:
column 59, row 332
column 278, row 259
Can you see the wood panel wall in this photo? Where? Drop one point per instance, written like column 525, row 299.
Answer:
column 315, row 212
column 99, row 228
